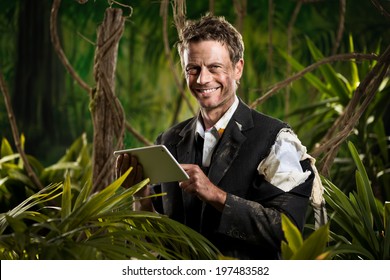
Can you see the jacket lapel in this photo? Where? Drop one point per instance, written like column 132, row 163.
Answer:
column 227, row 149
column 186, row 154
column 185, row 148
column 229, row 146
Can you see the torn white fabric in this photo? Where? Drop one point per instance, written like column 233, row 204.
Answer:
column 282, row 166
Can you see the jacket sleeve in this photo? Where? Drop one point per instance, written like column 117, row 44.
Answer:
column 256, row 219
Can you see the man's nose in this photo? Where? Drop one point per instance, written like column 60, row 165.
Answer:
column 204, row 76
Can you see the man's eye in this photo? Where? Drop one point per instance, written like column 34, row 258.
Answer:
column 214, row 68
column 192, row 71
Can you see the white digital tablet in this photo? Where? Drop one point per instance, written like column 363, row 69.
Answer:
column 158, row 164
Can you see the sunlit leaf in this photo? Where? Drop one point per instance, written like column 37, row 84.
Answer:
column 314, row 245
column 292, row 234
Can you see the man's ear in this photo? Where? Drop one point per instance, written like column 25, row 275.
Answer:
column 238, row 69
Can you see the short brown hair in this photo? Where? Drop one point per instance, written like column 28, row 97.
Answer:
column 212, row 28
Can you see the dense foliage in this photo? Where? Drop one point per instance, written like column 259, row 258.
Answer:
column 280, row 39
column 66, row 220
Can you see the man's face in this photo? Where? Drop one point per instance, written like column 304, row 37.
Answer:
column 210, row 74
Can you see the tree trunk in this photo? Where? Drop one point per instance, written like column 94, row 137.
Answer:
column 107, row 113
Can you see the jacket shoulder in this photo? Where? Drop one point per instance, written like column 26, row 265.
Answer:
column 173, row 134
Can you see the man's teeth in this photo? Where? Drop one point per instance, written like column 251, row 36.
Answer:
column 208, row 90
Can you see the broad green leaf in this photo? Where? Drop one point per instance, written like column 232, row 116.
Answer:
column 314, row 245
column 292, row 234
column 286, row 250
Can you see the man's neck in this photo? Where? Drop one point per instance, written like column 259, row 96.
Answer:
column 212, row 116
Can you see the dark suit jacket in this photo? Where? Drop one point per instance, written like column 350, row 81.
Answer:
column 250, row 225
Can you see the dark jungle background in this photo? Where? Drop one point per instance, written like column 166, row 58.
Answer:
column 282, row 37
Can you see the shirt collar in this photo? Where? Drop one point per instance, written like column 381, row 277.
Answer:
column 221, row 123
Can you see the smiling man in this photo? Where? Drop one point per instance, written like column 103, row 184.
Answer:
column 245, row 168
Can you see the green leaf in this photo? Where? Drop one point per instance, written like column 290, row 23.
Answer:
column 93, row 204
column 354, row 70
column 66, row 204
column 16, row 224
column 22, row 143
column 363, row 195
column 367, row 193
column 330, row 75
column 314, row 246
column 286, row 250
column 340, row 202
column 46, row 194
column 358, row 250
column 311, row 78
column 292, row 234
column 63, row 166
column 6, row 149
column 19, row 175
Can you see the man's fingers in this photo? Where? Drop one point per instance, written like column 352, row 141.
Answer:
column 139, row 173
column 123, row 163
column 118, row 164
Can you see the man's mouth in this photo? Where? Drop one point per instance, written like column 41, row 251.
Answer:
column 207, row 90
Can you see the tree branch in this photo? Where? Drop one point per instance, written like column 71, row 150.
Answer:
column 167, row 49
column 138, row 135
column 362, row 97
column 57, row 46
column 340, row 30
column 339, row 57
column 380, row 8
column 15, row 133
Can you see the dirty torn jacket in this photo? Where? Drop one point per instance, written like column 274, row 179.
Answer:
column 249, row 227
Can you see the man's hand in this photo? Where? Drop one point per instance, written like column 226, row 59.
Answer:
column 198, row 184
column 123, row 163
